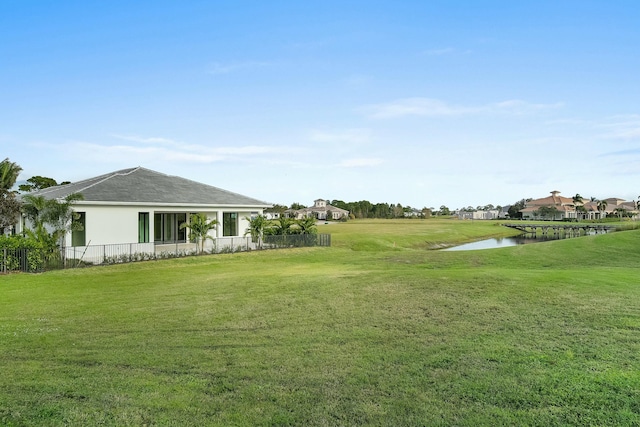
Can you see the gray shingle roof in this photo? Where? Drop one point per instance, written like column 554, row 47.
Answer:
column 140, row 185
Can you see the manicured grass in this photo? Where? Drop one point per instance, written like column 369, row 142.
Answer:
column 376, row 330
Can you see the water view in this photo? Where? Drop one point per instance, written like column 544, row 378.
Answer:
column 502, row 242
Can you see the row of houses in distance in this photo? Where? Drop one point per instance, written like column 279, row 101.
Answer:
column 139, row 205
column 554, row 207
column 559, row 208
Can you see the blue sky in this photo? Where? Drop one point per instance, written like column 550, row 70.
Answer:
column 423, row 103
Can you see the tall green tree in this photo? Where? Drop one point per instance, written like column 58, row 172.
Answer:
column 514, row 210
column 9, row 204
column 548, row 212
column 602, row 207
column 9, row 209
column 61, row 216
column 199, row 227
column 9, row 172
column 620, row 212
column 38, row 183
column 578, row 202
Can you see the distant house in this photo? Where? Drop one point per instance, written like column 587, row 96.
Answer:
column 556, row 207
column 479, row 214
column 139, row 205
column 271, row 214
column 320, row 210
column 413, row 213
column 613, row 205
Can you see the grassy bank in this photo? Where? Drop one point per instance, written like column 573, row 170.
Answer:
column 376, row 330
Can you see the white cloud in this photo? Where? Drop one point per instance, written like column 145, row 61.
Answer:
column 150, row 140
column 516, row 106
column 429, row 107
column 622, row 127
column 356, row 136
column 413, row 107
column 122, row 153
column 360, row 162
column 164, row 149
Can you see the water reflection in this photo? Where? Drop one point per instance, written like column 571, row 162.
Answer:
column 503, row 242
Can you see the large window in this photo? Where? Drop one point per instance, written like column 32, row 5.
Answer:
column 166, row 227
column 143, row 227
column 230, row 224
column 79, row 236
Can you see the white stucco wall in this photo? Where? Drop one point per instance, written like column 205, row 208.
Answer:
column 106, row 225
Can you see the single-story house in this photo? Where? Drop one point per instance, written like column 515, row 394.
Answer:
column 139, row 205
column 413, row 213
column 479, row 214
column 321, row 209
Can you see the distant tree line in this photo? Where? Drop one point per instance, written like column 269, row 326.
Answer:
column 366, row 209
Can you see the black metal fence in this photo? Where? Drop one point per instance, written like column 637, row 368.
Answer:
column 37, row 260
column 27, row 260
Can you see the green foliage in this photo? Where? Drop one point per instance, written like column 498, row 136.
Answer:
column 9, row 205
column 58, row 214
column 257, row 226
column 295, row 206
column 281, row 227
column 9, row 209
column 9, row 172
column 199, row 227
column 306, row 225
column 514, row 210
column 19, row 253
column 37, row 183
column 547, row 212
column 602, row 206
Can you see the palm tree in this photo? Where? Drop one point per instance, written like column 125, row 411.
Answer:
column 621, row 212
column 9, row 172
column 578, row 201
column 256, row 228
column 199, row 226
column 283, row 226
column 307, row 225
column 9, row 209
column 9, row 204
column 602, row 206
column 34, row 208
column 58, row 214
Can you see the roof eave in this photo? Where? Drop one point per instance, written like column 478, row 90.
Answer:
column 200, row 205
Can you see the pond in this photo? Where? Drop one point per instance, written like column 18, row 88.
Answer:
column 503, row 242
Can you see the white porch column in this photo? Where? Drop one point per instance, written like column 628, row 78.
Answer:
column 219, row 225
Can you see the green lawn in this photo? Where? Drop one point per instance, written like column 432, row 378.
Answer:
column 376, row 330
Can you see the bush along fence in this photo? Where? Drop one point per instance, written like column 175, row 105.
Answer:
column 36, row 260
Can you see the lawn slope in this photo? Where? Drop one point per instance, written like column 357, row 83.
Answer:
column 376, row 330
